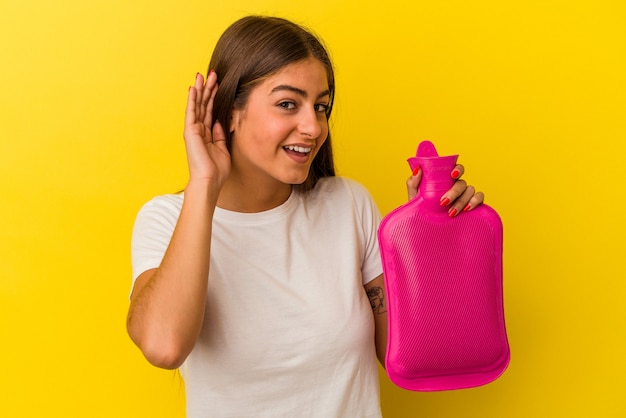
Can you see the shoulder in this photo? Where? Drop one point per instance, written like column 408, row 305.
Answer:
column 340, row 186
column 164, row 209
column 343, row 191
column 165, row 201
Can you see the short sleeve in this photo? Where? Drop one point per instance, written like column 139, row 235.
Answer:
column 369, row 217
column 152, row 231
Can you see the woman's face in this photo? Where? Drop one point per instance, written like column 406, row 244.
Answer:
column 281, row 128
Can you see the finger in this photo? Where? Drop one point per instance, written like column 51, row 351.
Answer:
column 413, row 182
column 190, row 111
column 461, row 202
column 219, row 136
column 199, row 86
column 212, row 84
column 451, row 195
column 475, row 201
column 208, row 93
column 458, row 171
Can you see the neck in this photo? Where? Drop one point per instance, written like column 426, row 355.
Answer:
column 242, row 194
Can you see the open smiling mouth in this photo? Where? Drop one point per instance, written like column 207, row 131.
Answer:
column 297, row 150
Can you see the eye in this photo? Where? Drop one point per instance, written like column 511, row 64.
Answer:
column 321, row 108
column 287, row 105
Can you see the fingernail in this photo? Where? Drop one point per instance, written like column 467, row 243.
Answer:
column 416, row 171
column 455, row 174
column 444, row 201
column 467, row 207
column 452, row 212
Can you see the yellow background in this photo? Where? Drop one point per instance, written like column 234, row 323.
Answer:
column 531, row 94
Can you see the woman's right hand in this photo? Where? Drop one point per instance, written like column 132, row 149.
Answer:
column 207, row 155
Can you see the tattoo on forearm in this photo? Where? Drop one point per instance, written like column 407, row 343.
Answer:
column 377, row 299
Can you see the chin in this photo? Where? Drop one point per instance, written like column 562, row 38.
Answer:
column 297, row 180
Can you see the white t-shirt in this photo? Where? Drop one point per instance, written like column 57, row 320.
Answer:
column 288, row 329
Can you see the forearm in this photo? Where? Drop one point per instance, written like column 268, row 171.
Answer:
column 375, row 291
column 167, row 306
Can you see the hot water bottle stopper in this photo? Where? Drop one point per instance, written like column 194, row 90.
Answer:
column 443, row 279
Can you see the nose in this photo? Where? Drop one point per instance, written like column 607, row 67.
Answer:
column 311, row 123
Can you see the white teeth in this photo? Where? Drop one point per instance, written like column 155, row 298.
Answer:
column 301, row 150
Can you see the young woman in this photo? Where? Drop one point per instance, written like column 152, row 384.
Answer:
column 263, row 280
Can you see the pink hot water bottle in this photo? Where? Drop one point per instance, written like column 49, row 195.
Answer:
column 443, row 278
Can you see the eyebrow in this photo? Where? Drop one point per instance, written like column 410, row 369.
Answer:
column 298, row 91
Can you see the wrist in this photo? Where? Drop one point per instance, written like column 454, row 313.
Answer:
column 202, row 190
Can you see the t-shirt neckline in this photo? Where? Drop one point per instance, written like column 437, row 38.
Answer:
column 271, row 215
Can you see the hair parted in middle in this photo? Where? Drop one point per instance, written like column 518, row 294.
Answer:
column 254, row 48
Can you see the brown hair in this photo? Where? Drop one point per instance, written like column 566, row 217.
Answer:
column 254, row 48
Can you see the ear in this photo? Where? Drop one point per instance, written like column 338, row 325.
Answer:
column 234, row 120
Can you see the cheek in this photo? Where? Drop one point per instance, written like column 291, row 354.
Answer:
column 321, row 142
column 325, row 131
column 268, row 129
column 258, row 133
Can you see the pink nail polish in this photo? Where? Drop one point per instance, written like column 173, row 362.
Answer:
column 467, row 207
column 452, row 212
column 444, row 201
column 416, row 171
column 455, row 174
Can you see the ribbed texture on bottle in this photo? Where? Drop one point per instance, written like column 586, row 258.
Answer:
column 447, row 309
